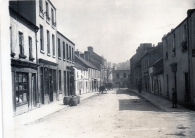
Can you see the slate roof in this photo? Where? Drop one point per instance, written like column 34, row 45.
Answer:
column 88, row 64
column 78, row 66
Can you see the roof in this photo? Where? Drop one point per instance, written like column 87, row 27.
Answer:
column 86, row 62
column 158, row 67
column 65, row 37
column 78, row 66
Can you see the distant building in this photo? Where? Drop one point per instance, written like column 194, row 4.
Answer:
column 120, row 78
column 98, row 62
column 135, row 65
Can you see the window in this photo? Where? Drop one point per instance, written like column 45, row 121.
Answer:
column 124, row 75
column 21, row 45
column 52, row 17
column 48, row 42
column 173, row 47
column 117, row 75
column 41, row 6
column 60, row 80
column 30, row 46
column 64, row 82
column 21, row 88
column 64, row 50
column 41, row 38
column 53, row 44
column 21, row 42
column 47, row 10
column 72, row 54
column 69, row 53
column 59, row 55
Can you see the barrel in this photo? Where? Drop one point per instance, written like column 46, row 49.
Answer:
column 66, row 100
column 73, row 101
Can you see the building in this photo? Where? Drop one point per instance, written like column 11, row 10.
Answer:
column 93, row 72
column 156, row 69
column 120, row 78
column 98, row 62
column 65, row 61
column 42, row 49
column 24, row 65
column 178, row 52
column 136, row 73
column 81, row 79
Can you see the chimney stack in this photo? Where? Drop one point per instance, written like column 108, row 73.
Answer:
column 90, row 48
column 77, row 53
column 87, row 54
column 82, row 55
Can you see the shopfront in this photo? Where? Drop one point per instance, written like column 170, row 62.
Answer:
column 24, row 81
column 48, row 82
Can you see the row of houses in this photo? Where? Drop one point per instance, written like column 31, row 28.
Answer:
column 44, row 64
column 170, row 64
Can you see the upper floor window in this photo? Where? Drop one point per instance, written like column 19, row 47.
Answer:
column 21, row 45
column 41, row 38
column 67, row 51
column 59, row 51
column 117, row 75
column 124, row 75
column 48, row 42
column 173, row 46
column 30, row 48
column 47, row 11
column 53, row 17
column 41, row 6
column 72, row 54
column 53, row 44
column 63, row 50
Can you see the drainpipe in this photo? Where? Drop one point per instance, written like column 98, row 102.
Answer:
column 188, row 56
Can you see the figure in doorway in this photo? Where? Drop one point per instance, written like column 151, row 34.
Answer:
column 139, row 86
column 174, row 98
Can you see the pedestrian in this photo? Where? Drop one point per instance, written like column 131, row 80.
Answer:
column 174, row 98
column 139, row 86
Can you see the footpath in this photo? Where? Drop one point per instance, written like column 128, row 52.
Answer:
column 160, row 102
column 46, row 110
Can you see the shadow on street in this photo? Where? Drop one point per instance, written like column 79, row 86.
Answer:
column 131, row 101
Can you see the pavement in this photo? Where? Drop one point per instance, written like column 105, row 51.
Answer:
column 160, row 102
column 46, row 110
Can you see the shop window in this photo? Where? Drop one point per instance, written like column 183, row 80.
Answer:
column 21, row 87
column 54, row 80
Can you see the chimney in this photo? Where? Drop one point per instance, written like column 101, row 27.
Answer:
column 90, row 48
column 87, row 54
column 77, row 53
column 82, row 55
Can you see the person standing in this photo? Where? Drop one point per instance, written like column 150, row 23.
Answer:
column 139, row 86
column 174, row 98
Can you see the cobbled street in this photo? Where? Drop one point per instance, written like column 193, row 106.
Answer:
column 115, row 114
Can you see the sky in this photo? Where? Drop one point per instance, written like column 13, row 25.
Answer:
column 115, row 28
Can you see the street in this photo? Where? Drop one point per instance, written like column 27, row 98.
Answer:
column 115, row 114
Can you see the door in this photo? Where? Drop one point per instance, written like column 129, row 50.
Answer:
column 50, row 85
column 33, row 86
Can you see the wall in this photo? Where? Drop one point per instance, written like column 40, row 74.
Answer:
column 181, row 58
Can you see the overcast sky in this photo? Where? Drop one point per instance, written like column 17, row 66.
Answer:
column 115, row 28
